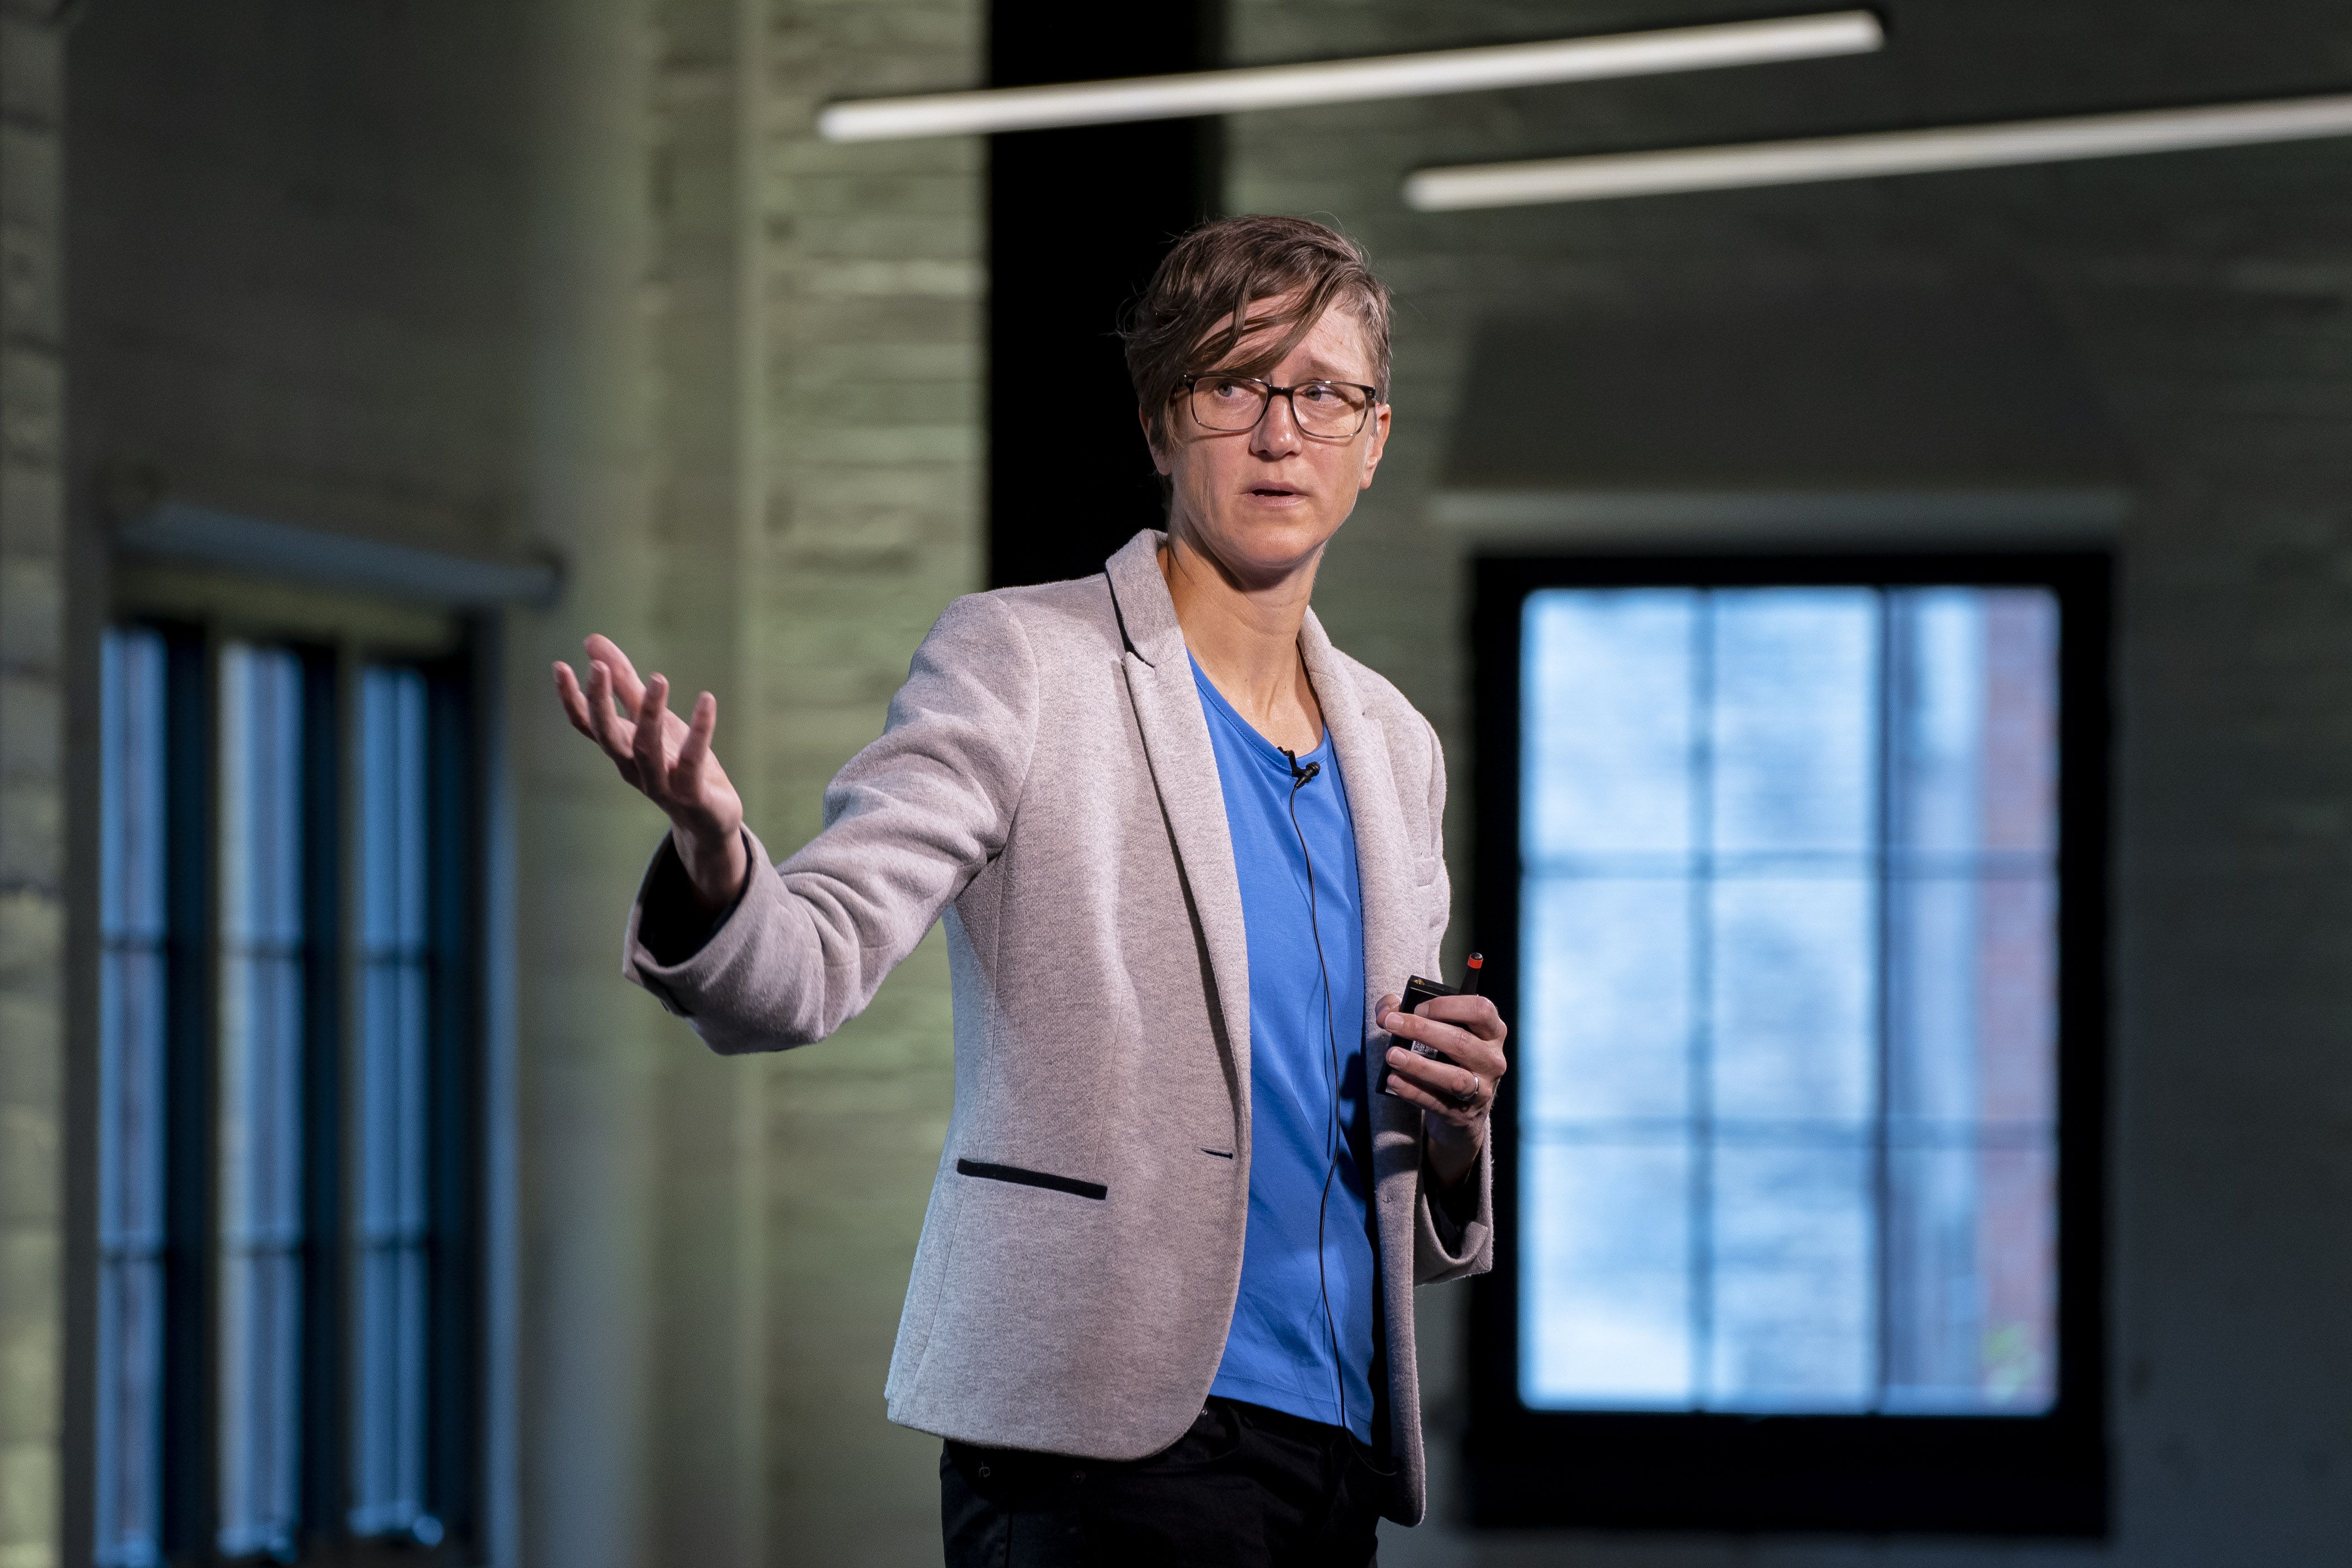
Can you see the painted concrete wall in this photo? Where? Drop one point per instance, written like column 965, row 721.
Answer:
column 33, row 865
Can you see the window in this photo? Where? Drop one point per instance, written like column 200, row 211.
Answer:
column 287, row 1097
column 134, row 996
column 1799, row 863
column 390, row 1243
column 261, row 1047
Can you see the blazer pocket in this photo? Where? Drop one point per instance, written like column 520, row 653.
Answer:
column 1026, row 1178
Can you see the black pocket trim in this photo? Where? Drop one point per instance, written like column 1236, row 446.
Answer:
column 1019, row 1177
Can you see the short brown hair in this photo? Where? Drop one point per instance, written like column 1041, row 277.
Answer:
column 1219, row 270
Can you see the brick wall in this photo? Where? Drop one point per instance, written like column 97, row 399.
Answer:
column 2208, row 298
column 767, row 480
column 32, row 796
column 874, row 290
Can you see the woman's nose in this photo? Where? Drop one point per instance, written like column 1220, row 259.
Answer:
column 1277, row 428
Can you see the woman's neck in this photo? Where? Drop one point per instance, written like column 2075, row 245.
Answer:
column 1244, row 635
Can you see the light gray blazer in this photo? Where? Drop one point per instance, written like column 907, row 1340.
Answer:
column 1046, row 781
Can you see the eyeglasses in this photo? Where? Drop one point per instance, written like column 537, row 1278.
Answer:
column 1328, row 409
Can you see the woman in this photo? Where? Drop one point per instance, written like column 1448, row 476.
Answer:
column 1163, row 1305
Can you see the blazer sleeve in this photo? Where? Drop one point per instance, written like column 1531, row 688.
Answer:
column 909, row 822
column 1452, row 1237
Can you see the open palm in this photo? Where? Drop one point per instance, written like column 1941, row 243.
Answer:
column 666, row 759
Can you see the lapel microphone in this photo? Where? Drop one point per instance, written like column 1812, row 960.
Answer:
column 1300, row 776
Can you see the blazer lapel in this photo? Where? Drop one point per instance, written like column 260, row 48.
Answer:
column 1394, row 937
column 1184, row 770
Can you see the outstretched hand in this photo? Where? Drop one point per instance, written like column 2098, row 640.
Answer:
column 666, row 759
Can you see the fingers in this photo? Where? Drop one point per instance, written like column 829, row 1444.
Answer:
column 609, row 728
column 625, row 684
column 1455, row 1085
column 1467, row 1029
column 574, row 700
column 691, row 752
column 1404, row 1088
column 647, row 747
column 1476, row 1053
column 1458, row 1099
column 1476, row 1013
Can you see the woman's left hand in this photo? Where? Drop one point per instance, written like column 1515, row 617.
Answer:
column 1457, row 1096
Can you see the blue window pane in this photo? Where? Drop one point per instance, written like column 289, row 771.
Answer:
column 1609, row 722
column 392, row 808
column 1606, row 1274
column 1935, row 982
column 1795, row 997
column 1793, row 1322
column 128, row 1454
column 1972, row 1253
column 1795, row 720
column 388, row 1408
column 1937, row 671
column 129, row 1471
column 1605, row 1015
column 2017, row 1002
column 261, row 1079
column 1975, row 752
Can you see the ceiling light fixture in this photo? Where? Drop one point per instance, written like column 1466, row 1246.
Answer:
column 1354, row 82
column 1605, row 176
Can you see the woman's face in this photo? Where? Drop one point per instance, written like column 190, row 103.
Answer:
column 1263, row 501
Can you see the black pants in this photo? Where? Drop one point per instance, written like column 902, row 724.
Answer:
column 1246, row 1487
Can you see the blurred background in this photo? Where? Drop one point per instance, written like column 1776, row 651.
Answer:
column 1893, row 639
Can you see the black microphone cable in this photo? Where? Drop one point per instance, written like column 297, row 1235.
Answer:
column 1299, row 778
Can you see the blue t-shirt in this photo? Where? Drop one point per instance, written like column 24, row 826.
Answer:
column 1307, row 1105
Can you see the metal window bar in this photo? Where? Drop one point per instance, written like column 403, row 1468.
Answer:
column 129, row 1458
column 261, row 1030
column 1890, row 672
column 392, row 1239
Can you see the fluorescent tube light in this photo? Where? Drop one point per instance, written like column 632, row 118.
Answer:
column 1602, row 177
column 1353, row 81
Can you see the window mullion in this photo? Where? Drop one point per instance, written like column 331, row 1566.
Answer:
column 1701, row 1088
column 1887, row 707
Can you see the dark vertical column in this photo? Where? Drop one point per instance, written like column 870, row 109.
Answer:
column 1076, row 220
column 455, row 1135
column 190, row 1414
column 324, row 1496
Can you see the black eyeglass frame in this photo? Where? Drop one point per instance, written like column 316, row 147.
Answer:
column 1267, row 393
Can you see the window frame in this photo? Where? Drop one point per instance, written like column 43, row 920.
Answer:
column 2044, row 1475
column 335, row 636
